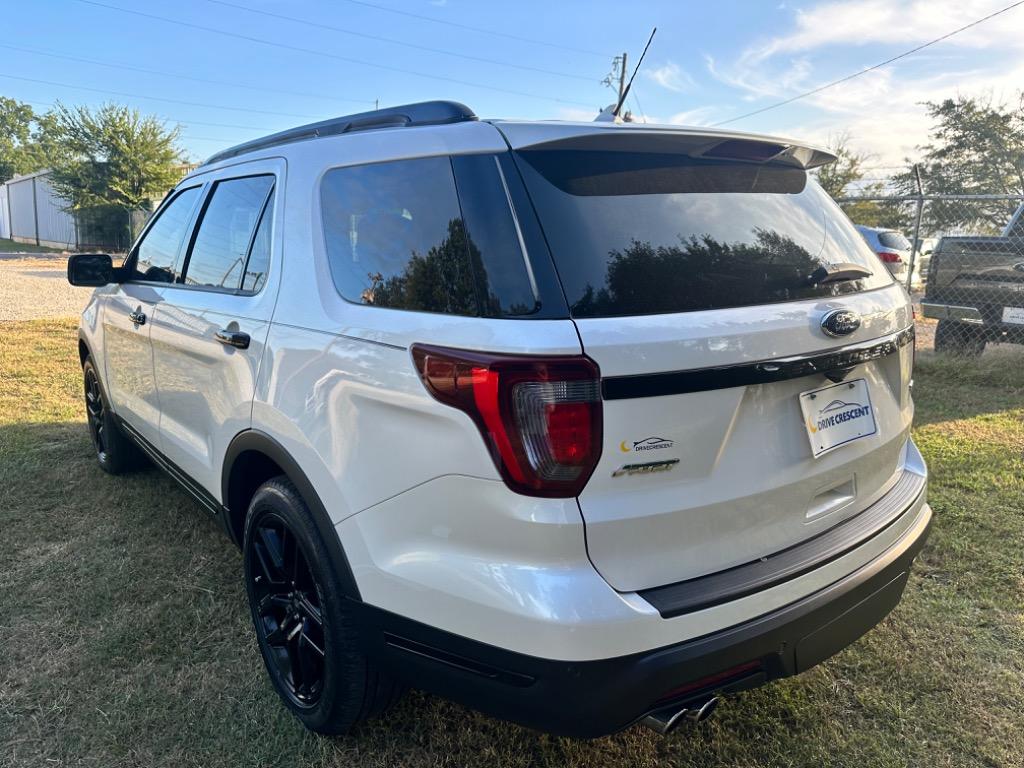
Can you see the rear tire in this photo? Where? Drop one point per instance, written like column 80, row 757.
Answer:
column 960, row 339
column 115, row 452
column 308, row 634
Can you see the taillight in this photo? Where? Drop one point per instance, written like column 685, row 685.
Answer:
column 539, row 416
column 889, row 257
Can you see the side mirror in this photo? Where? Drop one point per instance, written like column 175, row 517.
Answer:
column 91, row 269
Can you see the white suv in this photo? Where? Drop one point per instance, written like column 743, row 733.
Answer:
column 579, row 424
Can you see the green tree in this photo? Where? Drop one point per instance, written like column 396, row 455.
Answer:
column 849, row 168
column 44, row 149
column 110, row 157
column 16, row 120
column 976, row 148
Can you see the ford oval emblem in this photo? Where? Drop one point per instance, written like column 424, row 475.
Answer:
column 840, row 322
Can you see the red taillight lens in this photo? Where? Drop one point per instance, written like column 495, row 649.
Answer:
column 890, row 258
column 568, row 432
column 540, row 416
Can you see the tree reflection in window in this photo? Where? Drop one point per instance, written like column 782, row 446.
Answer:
column 438, row 281
column 644, row 279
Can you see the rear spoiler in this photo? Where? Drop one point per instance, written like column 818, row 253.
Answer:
column 695, row 142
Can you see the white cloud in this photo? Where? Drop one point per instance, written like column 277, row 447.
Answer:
column 884, row 115
column 576, row 114
column 697, row 116
column 671, row 77
column 859, row 22
column 880, row 110
column 758, row 80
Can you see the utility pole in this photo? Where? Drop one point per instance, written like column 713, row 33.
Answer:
column 616, row 79
column 622, row 76
column 917, row 224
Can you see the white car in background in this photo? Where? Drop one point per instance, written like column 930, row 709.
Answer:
column 580, row 424
column 893, row 248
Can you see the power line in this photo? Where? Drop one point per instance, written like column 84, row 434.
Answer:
column 343, row 30
column 470, row 28
column 325, row 54
column 38, row 52
column 181, row 123
column 636, row 100
column 821, row 88
column 157, row 98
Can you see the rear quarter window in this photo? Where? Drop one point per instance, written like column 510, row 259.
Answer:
column 894, row 240
column 635, row 233
column 431, row 234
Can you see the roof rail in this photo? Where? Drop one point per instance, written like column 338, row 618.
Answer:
column 422, row 113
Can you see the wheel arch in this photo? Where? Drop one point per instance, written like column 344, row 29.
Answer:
column 85, row 352
column 83, row 349
column 254, row 457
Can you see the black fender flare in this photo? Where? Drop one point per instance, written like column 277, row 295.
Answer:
column 261, row 442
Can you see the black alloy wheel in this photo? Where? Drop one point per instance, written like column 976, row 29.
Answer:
column 115, row 451
column 95, row 414
column 289, row 617
column 308, row 631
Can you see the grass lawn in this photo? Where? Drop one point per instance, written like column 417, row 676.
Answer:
column 125, row 637
column 10, row 246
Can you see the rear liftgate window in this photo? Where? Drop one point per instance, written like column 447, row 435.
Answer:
column 433, row 234
column 636, row 233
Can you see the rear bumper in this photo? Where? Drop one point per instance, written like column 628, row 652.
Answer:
column 985, row 318
column 961, row 314
column 594, row 698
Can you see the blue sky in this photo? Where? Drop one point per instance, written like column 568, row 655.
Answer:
column 709, row 62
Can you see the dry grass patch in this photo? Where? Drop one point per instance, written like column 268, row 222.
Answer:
column 125, row 638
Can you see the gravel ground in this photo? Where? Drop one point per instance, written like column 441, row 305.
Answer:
column 36, row 286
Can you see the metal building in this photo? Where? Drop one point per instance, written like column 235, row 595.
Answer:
column 35, row 213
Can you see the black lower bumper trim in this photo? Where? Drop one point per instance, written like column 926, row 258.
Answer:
column 594, row 698
column 721, row 587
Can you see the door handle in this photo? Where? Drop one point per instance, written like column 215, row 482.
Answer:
column 233, row 338
column 138, row 317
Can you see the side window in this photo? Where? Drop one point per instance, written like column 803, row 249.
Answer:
column 157, row 253
column 259, row 255
column 217, row 257
column 496, row 248
column 395, row 236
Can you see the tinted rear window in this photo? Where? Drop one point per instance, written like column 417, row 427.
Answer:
column 647, row 233
column 894, row 240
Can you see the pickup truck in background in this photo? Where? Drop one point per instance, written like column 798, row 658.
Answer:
column 975, row 289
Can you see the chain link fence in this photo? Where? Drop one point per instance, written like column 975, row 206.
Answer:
column 962, row 259
column 108, row 228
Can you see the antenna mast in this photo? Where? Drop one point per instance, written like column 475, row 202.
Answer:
column 624, row 93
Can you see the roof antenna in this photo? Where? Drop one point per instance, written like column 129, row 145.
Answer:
column 625, row 92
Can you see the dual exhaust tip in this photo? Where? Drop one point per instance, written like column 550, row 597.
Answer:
column 666, row 720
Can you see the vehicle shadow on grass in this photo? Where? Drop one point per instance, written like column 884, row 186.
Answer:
column 126, row 640
column 129, row 634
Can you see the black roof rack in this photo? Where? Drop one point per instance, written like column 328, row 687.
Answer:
column 423, row 113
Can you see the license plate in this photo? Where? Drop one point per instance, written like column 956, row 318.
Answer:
column 837, row 414
column 1013, row 315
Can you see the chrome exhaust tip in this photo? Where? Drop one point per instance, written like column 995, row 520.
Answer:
column 664, row 721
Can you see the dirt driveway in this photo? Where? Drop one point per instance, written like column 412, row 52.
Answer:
column 36, row 286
